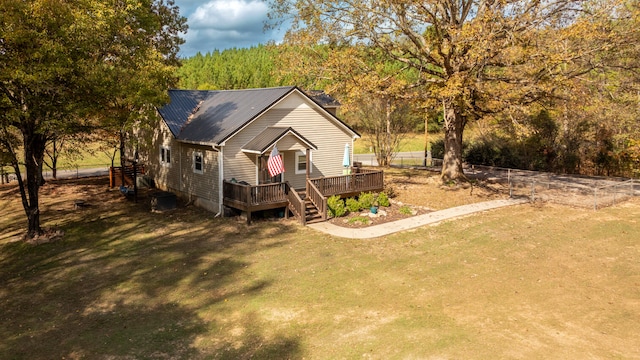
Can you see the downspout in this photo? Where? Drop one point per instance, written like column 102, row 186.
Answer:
column 181, row 183
column 258, row 168
column 220, row 181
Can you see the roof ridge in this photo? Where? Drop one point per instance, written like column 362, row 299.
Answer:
column 238, row 90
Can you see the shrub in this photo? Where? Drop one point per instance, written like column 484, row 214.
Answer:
column 353, row 205
column 383, row 199
column 359, row 219
column 336, row 206
column 366, row 200
column 405, row 210
column 437, row 149
column 390, row 190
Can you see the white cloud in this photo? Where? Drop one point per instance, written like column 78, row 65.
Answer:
column 221, row 24
column 230, row 15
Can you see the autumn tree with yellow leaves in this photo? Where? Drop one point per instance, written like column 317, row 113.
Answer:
column 475, row 58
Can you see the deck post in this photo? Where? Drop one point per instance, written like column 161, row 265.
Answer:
column 308, row 175
column 247, row 194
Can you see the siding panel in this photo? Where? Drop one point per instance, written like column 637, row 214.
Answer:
column 313, row 125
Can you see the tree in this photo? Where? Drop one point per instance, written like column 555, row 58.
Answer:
column 59, row 60
column 375, row 92
column 474, row 57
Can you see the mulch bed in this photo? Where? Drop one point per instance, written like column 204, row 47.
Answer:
column 390, row 213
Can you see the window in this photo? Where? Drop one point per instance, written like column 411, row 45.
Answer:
column 301, row 163
column 198, row 162
column 165, row 155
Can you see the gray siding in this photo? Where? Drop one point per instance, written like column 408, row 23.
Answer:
column 322, row 131
column 179, row 176
column 166, row 177
column 205, row 185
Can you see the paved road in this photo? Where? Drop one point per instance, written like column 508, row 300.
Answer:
column 370, row 159
column 79, row 173
column 71, row 174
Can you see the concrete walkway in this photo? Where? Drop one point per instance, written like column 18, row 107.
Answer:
column 412, row 222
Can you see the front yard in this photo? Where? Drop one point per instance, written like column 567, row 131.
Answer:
column 529, row 282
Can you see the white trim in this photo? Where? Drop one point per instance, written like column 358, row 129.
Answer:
column 298, row 154
column 195, row 155
column 258, row 156
column 221, row 180
column 165, row 155
column 333, row 118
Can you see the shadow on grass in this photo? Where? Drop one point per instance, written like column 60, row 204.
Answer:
column 125, row 282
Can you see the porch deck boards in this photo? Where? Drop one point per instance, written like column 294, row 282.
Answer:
column 251, row 198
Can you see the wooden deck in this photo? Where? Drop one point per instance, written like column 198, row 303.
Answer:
column 115, row 174
column 251, row 198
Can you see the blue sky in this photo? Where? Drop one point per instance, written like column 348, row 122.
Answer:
column 223, row 24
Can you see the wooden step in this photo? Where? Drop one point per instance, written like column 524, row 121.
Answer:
column 314, row 220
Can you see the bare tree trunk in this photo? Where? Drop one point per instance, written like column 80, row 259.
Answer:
column 54, row 160
column 454, row 124
column 34, row 146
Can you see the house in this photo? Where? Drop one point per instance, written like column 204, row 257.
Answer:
column 212, row 148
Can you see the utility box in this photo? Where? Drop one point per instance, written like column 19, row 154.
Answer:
column 163, row 200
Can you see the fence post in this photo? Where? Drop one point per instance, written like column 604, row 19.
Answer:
column 595, row 198
column 533, row 190
column 510, row 189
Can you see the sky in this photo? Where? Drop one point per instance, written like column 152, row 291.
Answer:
column 223, row 24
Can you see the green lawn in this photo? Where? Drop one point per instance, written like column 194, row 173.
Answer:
column 88, row 158
column 409, row 142
column 526, row 282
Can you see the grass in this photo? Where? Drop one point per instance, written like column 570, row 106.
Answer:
column 405, row 210
column 359, row 219
column 89, row 157
column 409, row 142
column 522, row 282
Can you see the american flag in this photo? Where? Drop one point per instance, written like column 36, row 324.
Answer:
column 274, row 164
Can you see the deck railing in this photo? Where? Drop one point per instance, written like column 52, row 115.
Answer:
column 268, row 193
column 296, row 204
column 254, row 195
column 318, row 199
column 115, row 174
column 372, row 180
column 269, row 196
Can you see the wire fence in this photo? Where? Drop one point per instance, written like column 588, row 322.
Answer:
column 7, row 175
column 575, row 190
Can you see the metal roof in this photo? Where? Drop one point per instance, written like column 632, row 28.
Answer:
column 183, row 104
column 212, row 116
column 263, row 141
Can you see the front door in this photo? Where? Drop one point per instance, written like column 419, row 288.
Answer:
column 263, row 172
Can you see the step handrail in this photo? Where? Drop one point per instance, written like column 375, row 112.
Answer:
column 317, row 199
column 296, row 202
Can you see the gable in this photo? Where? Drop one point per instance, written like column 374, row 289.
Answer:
column 296, row 99
column 212, row 117
column 271, row 135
